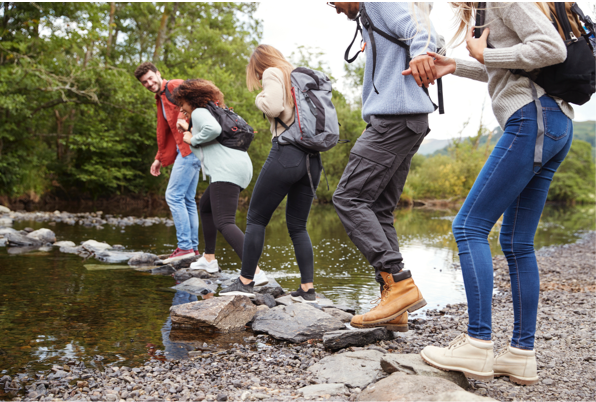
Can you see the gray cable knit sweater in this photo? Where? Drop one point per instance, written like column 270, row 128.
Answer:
column 523, row 38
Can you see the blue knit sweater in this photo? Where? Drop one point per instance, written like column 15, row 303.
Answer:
column 398, row 94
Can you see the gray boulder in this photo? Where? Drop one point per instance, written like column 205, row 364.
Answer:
column 4, row 210
column 413, row 364
column 73, row 250
column 64, row 243
column 313, row 391
column 296, row 323
column 339, row 314
column 287, row 301
column 94, row 246
column 184, row 274
column 271, row 288
column 142, row 259
column 5, row 221
column 114, row 256
column 264, row 299
column 354, row 369
column 224, row 314
column 404, row 387
column 19, row 240
column 196, row 286
column 5, row 231
column 357, row 337
column 43, row 235
column 163, row 270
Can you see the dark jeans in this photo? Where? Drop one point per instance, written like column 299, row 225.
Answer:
column 218, row 212
column 372, row 183
column 507, row 185
column 284, row 173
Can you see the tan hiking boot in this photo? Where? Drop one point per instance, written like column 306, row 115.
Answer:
column 399, row 295
column 400, row 324
column 471, row 357
column 518, row 364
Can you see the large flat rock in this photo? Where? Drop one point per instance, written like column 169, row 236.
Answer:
column 143, row 259
column 184, row 274
column 336, row 340
column 43, row 235
column 341, row 315
column 354, row 369
column 95, row 247
column 412, row 363
column 224, row 314
column 271, row 288
column 196, row 286
column 404, row 387
column 16, row 239
column 296, row 323
column 317, row 390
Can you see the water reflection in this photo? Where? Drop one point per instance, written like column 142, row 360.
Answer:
column 52, row 308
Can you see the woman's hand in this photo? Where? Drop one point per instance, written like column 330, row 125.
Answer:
column 476, row 46
column 443, row 65
column 187, row 137
column 182, row 126
column 422, row 68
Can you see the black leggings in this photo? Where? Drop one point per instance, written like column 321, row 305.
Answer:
column 284, row 173
column 217, row 208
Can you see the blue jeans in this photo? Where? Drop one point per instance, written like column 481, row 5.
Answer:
column 507, row 184
column 180, row 197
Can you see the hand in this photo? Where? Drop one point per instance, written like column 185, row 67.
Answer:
column 443, row 65
column 422, row 68
column 182, row 126
column 155, row 168
column 187, row 137
column 476, row 46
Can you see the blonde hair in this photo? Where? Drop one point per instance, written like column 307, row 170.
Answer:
column 465, row 13
column 424, row 9
column 264, row 57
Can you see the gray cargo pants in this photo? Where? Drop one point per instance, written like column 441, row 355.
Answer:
column 372, row 183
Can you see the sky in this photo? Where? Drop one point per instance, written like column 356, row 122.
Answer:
column 313, row 24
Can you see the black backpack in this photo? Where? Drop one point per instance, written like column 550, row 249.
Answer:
column 235, row 131
column 371, row 28
column 572, row 80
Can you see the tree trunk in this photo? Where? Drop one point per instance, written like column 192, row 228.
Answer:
column 111, row 23
column 171, row 25
column 88, row 54
column 59, row 126
column 160, row 33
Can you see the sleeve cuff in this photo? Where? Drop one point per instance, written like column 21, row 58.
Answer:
column 470, row 69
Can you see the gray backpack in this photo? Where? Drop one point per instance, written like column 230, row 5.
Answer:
column 315, row 128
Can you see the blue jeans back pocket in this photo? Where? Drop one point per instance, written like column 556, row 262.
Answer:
column 556, row 124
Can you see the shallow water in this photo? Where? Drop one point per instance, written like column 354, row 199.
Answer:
column 52, row 307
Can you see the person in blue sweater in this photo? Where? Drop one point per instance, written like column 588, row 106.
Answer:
column 229, row 171
column 396, row 108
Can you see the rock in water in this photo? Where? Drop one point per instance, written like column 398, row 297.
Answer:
column 225, row 314
column 20, row 240
column 296, row 323
column 354, row 369
column 4, row 210
column 196, row 286
column 5, row 221
column 95, row 246
column 271, row 288
column 358, row 337
column 264, row 299
column 65, row 243
column 413, row 364
column 114, row 256
column 43, row 235
column 185, row 274
column 403, row 387
column 141, row 259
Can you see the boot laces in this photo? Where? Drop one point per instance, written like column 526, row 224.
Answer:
column 381, row 298
column 460, row 340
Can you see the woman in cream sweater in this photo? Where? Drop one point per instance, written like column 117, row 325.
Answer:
column 284, row 174
column 510, row 184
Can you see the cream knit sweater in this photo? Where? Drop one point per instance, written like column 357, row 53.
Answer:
column 272, row 100
column 523, row 39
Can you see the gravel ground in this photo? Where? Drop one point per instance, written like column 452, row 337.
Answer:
column 270, row 370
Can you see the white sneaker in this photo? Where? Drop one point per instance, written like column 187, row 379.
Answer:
column 473, row 358
column 261, row 279
column 202, row 263
column 518, row 364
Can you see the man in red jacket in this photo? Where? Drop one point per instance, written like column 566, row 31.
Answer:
column 184, row 178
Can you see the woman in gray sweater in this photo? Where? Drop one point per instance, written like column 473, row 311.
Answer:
column 509, row 184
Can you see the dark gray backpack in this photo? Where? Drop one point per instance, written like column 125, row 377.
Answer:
column 315, row 128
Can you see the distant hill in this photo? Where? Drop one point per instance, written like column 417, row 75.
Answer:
column 582, row 130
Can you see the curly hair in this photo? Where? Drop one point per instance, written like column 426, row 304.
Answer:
column 197, row 93
column 144, row 68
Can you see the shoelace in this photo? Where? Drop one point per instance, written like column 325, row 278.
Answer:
column 379, row 299
column 460, row 340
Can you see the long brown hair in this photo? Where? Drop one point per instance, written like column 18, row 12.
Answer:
column 197, row 93
column 465, row 12
column 264, row 57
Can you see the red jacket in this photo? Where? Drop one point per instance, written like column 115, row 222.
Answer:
column 167, row 133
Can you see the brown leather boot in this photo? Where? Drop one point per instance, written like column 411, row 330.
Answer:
column 400, row 295
column 400, row 324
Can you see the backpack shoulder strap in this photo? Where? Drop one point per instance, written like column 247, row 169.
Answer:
column 169, row 94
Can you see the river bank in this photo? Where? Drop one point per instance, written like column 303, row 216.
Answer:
column 265, row 369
